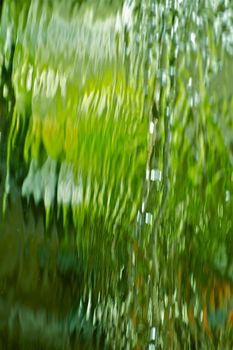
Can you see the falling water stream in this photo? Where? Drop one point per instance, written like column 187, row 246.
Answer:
column 116, row 174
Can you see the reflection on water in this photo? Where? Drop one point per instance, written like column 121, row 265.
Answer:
column 116, row 174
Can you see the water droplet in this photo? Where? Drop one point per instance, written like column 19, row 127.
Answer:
column 148, row 219
column 156, row 175
column 152, row 127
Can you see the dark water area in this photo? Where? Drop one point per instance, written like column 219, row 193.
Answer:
column 40, row 294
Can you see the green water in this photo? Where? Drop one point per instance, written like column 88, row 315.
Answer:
column 116, row 174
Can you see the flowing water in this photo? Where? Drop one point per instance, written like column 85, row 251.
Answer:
column 116, row 174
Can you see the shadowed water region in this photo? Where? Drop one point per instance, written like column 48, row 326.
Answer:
column 116, row 174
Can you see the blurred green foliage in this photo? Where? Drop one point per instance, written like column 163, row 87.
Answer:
column 121, row 119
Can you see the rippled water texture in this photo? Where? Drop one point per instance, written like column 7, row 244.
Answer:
column 116, row 174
